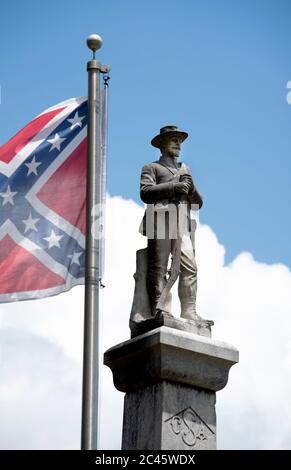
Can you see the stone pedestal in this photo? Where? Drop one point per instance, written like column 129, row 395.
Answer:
column 170, row 378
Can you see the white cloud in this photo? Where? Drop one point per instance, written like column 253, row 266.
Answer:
column 41, row 347
column 39, row 393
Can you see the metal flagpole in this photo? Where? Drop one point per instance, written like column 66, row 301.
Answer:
column 91, row 355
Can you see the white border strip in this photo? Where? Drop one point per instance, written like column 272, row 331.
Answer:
column 39, row 294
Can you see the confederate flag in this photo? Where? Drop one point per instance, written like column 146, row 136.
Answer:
column 42, row 204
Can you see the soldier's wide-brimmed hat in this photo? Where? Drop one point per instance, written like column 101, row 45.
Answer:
column 168, row 131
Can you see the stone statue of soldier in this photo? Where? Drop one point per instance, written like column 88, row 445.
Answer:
column 164, row 184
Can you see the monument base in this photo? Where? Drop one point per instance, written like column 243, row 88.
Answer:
column 198, row 326
column 170, row 378
column 169, row 416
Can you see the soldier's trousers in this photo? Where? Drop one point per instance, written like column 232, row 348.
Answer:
column 158, row 257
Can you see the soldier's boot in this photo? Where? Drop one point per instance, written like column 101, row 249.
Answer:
column 188, row 310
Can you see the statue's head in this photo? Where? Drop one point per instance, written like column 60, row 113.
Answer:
column 169, row 140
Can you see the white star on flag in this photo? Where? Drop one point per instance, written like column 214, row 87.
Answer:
column 75, row 257
column 56, row 142
column 76, row 120
column 32, row 166
column 8, row 196
column 53, row 239
column 30, row 223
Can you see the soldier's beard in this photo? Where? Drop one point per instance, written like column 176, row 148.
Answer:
column 171, row 153
column 174, row 154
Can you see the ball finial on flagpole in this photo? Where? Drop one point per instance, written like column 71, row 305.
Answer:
column 94, row 42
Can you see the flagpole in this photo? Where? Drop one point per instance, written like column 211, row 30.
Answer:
column 91, row 354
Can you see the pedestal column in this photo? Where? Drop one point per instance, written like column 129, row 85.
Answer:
column 170, row 378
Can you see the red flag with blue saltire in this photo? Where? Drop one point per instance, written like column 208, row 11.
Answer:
column 42, row 204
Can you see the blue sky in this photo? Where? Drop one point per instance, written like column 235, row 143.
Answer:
column 216, row 69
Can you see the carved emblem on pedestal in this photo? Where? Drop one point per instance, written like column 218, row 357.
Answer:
column 190, row 427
